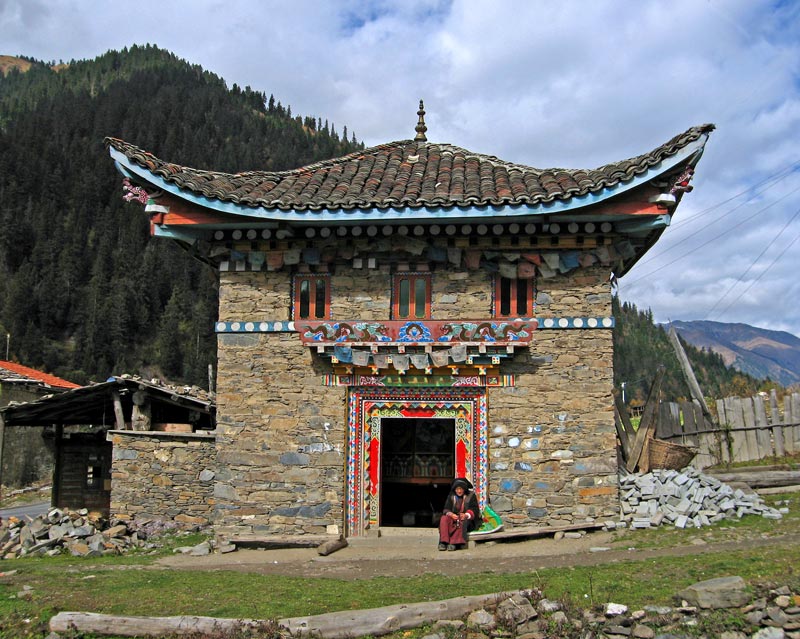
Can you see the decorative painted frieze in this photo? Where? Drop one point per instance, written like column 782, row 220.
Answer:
column 416, row 332
column 269, row 326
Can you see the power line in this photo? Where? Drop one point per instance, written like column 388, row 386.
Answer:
column 786, row 172
column 716, row 237
column 752, row 264
column 760, row 275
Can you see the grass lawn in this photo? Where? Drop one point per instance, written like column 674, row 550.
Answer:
column 128, row 586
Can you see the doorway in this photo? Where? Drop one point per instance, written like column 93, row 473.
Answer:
column 417, row 468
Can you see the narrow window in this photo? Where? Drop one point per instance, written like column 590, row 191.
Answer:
column 412, row 296
column 312, row 296
column 93, row 472
column 513, row 297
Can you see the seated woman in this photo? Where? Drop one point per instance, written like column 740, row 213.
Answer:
column 461, row 514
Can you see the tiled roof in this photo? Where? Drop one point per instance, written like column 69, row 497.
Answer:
column 16, row 372
column 403, row 174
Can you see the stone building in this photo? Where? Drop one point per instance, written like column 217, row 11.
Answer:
column 410, row 313
column 124, row 446
column 25, row 457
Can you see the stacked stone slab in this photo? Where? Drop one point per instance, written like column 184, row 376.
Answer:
column 81, row 533
column 685, row 499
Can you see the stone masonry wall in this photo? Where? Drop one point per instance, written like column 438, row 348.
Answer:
column 162, row 476
column 552, row 441
column 281, row 433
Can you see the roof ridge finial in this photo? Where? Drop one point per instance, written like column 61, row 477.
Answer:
column 421, row 128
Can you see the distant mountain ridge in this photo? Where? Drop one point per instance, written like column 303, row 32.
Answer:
column 756, row 351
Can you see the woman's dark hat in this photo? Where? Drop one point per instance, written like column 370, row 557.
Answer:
column 463, row 482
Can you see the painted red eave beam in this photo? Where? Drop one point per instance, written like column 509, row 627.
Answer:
column 183, row 213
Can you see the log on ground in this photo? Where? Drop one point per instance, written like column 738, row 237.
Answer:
column 334, row 625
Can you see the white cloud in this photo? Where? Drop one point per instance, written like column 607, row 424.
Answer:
column 571, row 83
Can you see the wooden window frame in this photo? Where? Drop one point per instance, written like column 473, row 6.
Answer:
column 398, row 293
column 315, row 297
column 507, row 297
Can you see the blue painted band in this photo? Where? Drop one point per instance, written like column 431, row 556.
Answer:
column 544, row 323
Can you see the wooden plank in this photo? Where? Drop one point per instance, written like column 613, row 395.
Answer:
column 279, row 541
column 788, row 429
column 707, row 443
column 723, row 440
column 689, row 421
column 675, row 414
column 775, row 421
column 623, row 425
column 647, row 426
column 734, row 411
column 763, row 429
column 526, row 532
column 751, row 443
column 664, row 424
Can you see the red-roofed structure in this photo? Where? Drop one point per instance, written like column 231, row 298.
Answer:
column 10, row 372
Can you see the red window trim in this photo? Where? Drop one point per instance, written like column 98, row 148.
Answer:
column 399, row 292
column 311, row 303
column 513, row 297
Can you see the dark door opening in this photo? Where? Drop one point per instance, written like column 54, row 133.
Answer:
column 417, row 466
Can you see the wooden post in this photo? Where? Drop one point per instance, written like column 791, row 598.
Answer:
column 796, row 420
column 141, row 413
column 691, row 380
column 55, row 493
column 775, row 420
column 118, row 414
column 647, row 427
column 2, row 438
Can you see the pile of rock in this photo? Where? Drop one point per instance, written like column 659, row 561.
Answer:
column 685, row 499
column 530, row 616
column 81, row 533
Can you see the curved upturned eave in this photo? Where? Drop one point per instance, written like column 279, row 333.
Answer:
column 419, row 213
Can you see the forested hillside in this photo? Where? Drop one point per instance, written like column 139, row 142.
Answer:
column 83, row 292
column 641, row 346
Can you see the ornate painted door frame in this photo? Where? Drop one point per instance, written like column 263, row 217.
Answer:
column 366, row 407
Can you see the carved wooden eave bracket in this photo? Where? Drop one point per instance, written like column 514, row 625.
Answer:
column 425, row 345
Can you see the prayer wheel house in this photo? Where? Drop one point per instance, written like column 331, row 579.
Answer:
column 411, row 313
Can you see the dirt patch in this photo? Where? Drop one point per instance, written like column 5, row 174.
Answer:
column 410, row 556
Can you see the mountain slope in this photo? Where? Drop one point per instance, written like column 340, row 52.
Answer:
column 755, row 351
column 84, row 291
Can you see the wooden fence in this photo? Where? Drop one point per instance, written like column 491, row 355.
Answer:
column 748, row 428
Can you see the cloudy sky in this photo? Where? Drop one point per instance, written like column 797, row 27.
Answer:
column 544, row 83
